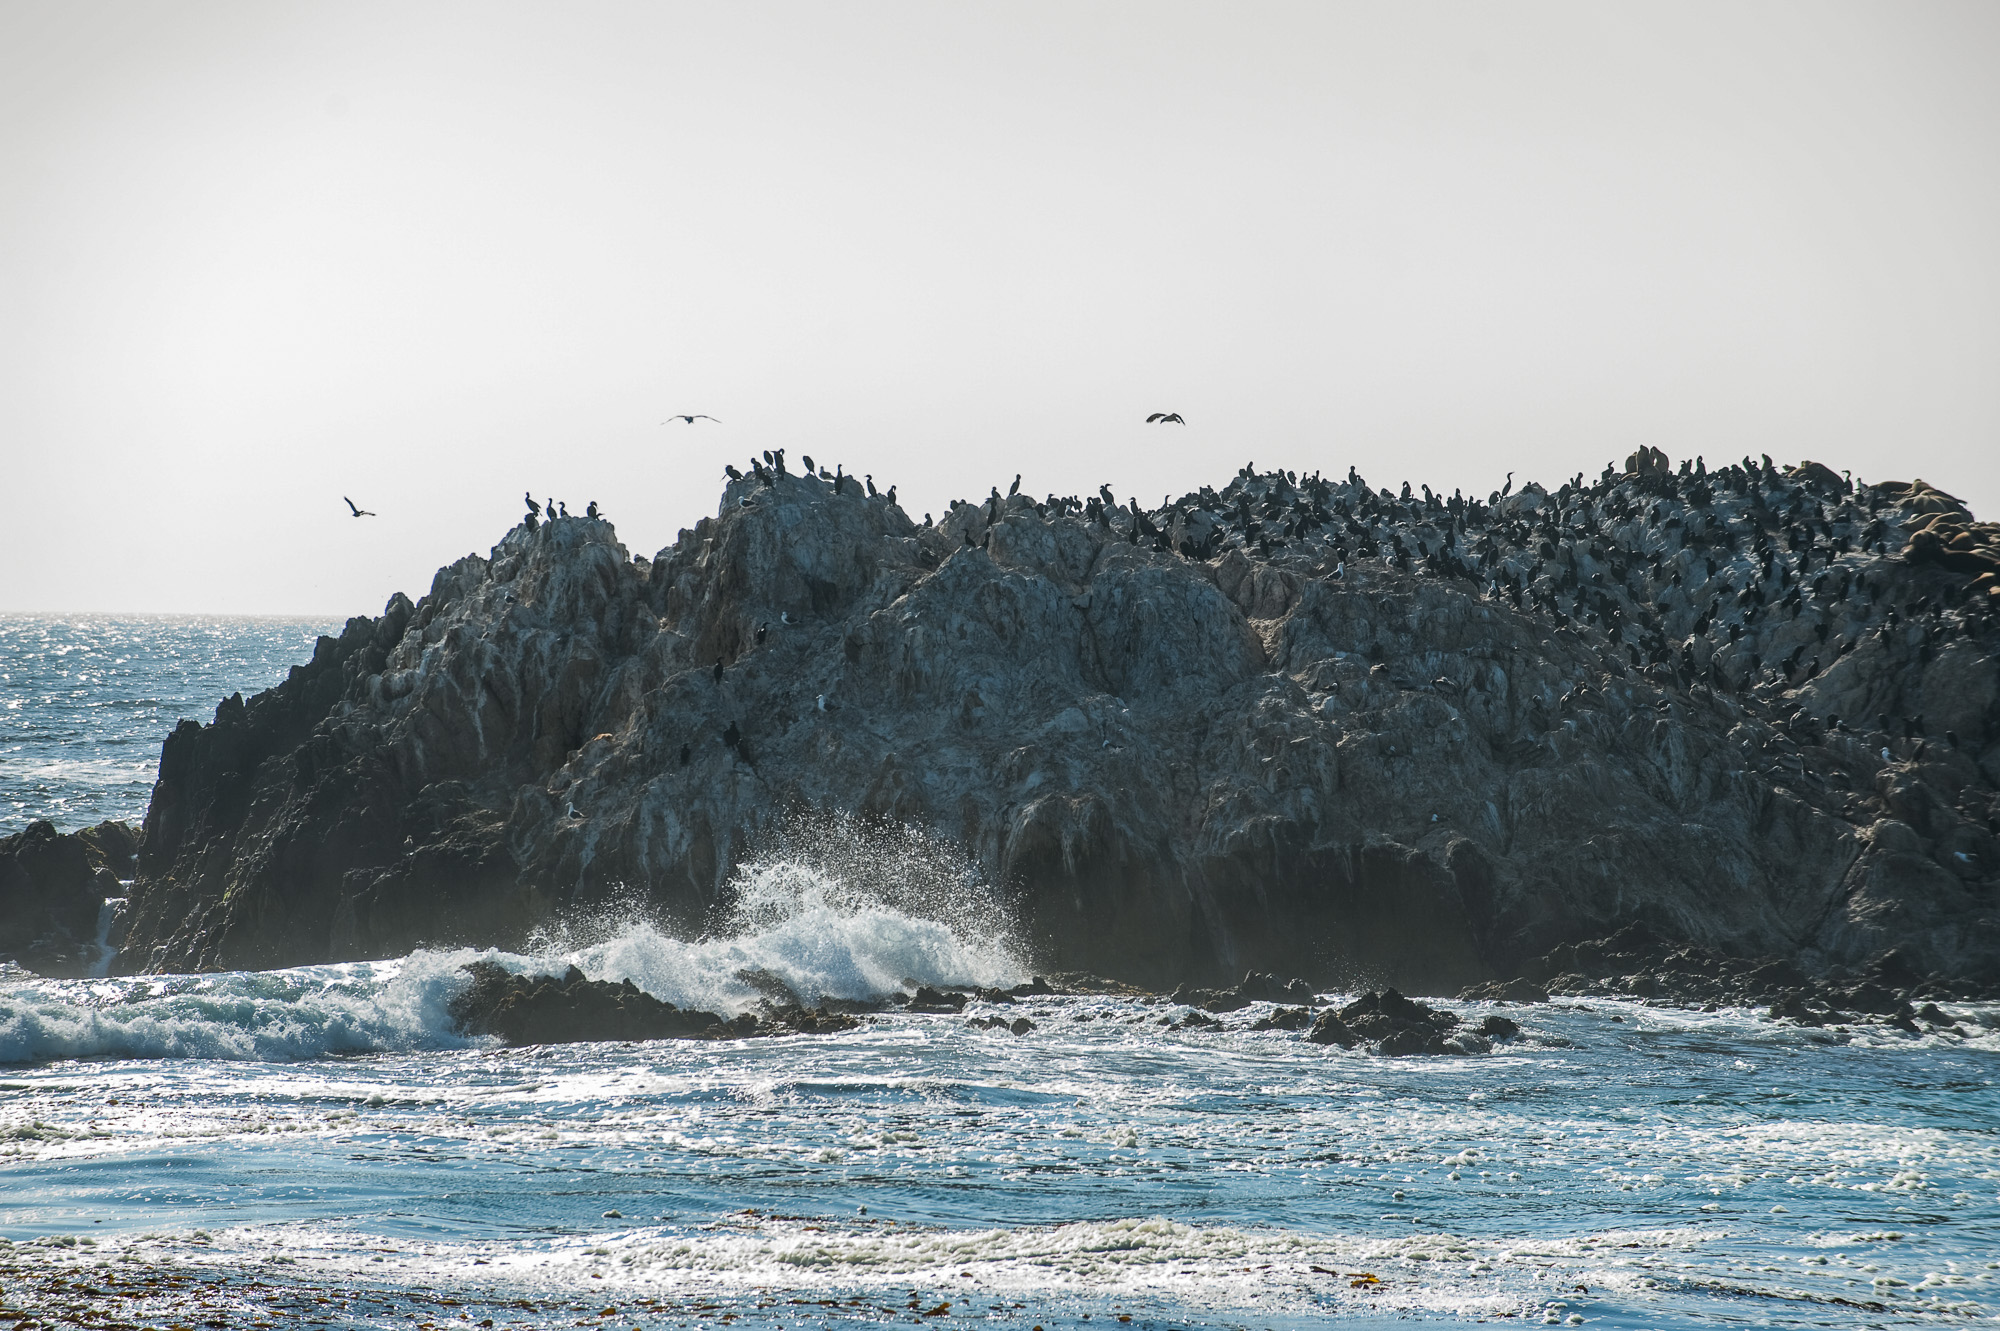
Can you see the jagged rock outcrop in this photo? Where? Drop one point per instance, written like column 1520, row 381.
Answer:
column 1295, row 724
column 52, row 891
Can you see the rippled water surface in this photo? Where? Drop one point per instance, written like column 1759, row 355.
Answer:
column 86, row 699
column 320, row 1144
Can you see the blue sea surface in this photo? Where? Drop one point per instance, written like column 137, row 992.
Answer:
column 321, row 1143
column 86, row 699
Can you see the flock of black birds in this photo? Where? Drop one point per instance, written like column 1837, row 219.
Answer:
column 1684, row 573
column 552, row 510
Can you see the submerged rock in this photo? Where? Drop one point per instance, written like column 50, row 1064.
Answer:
column 1295, row 724
column 545, row 1009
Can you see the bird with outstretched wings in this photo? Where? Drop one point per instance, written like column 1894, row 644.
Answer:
column 690, row 419
column 358, row 512
column 1165, row 418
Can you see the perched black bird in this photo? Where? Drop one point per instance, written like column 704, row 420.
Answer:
column 1165, row 418
column 732, row 736
column 529, row 499
column 697, row 416
column 731, row 472
column 358, row 512
column 687, row 752
column 1015, row 488
column 718, row 670
column 869, row 481
column 591, row 512
column 763, row 631
column 807, row 458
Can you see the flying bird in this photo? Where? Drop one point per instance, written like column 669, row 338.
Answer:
column 1165, row 418
column 697, row 416
column 358, row 512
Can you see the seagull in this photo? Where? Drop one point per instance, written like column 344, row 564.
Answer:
column 358, row 512
column 1165, row 418
column 697, row 416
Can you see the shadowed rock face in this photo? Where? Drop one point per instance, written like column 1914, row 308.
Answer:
column 52, row 889
column 1293, row 725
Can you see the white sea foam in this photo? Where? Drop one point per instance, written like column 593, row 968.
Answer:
column 876, row 912
column 306, row 1012
column 812, row 933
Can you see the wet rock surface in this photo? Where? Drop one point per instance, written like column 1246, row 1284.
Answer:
column 1296, row 724
column 571, row 1009
column 53, row 886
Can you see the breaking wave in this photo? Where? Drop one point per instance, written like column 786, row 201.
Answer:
column 838, row 910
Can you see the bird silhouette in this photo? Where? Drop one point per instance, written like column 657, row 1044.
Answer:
column 690, row 419
column 1165, row 418
column 358, row 512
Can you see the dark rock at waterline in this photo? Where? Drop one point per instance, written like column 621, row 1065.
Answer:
column 1505, row 991
column 927, row 999
column 1635, row 962
column 1419, row 740
column 1330, row 1029
column 1254, row 987
column 1284, row 1019
column 545, row 1009
column 1396, row 1026
column 52, row 891
column 1018, row 1026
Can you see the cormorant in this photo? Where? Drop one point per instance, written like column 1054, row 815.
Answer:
column 1015, row 488
column 731, row 472
column 358, row 512
column 807, row 458
column 591, row 512
column 718, row 670
column 1165, row 418
column 687, row 752
column 732, row 736
column 528, row 498
column 869, row 481
column 763, row 630
column 565, row 508
column 690, row 419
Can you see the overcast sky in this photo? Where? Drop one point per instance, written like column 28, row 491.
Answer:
column 254, row 257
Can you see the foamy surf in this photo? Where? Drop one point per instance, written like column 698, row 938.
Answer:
column 799, row 933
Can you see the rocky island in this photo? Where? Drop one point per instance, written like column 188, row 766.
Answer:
column 1294, row 723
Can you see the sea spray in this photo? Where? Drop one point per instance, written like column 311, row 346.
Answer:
column 836, row 908
column 830, row 906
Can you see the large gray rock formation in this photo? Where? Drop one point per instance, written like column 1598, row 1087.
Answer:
column 1297, row 725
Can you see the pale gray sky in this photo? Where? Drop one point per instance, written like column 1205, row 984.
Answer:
column 257, row 256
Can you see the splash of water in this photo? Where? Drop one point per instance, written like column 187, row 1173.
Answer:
column 833, row 907
column 839, row 910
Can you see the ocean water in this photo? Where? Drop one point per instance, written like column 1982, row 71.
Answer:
column 320, row 1145
column 86, row 699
